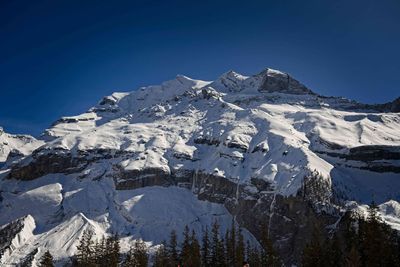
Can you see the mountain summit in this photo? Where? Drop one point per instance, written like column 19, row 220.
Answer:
column 263, row 149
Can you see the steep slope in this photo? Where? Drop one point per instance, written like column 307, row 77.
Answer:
column 252, row 147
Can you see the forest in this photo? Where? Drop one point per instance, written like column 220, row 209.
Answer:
column 361, row 242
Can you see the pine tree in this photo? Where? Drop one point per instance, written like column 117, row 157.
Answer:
column 230, row 239
column 373, row 241
column 46, row 260
column 205, row 249
column 173, row 254
column 161, row 256
column 195, row 251
column 112, row 252
column 350, row 235
column 249, row 249
column 137, row 255
column 313, row 254
column 85, row 255
column 217, row 247
column 186, row 248
column 268, row 256
column 333, row 254
column 100, row 251
column 254, row 258
column 222, row 252
column 240, row 249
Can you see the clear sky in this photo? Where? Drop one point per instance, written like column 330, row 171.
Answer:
column 59, row 58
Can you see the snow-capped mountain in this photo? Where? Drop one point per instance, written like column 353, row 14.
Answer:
column 189, row 152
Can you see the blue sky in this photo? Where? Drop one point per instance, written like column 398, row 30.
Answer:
column 59, row 58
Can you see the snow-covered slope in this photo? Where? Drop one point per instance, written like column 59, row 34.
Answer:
column 16, row 145
column 60, row 208
column 267, row 126
column 229, row 142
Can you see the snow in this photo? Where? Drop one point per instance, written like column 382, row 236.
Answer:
column 20, row 239
column 243, row 132
column 238, row 127
column 388, row 211
column 21, row 144
column 60, row 207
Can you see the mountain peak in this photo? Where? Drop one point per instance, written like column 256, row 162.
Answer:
column 276, row 81
column 267, row 81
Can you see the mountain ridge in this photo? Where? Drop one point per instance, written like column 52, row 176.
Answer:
column 250, row 147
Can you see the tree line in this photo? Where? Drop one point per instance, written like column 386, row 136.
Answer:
column 214, row 249
column 361, row 242
column 356, row 242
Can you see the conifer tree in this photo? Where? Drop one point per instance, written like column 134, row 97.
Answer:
column 240, row 249
column 217, row 247
column 161, row 256
column 195, row 251
column 112, row 251
column 230, row 239
column 252, row 255
column 255, row 259
column 205, row 249
column 373, row 241
column 173, row 253
column 100, row 251
column 84, row 255
column 268, row 256
column 137, row 255
column 313, row 254
column 222, row 252
column 46, row 260
column 186, row 248
column 332, row 253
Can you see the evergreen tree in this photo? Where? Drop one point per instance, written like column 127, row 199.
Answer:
column 255, row 259
column 333, row 254
column 313, row 254
column 350, row 235
column 222, row 252
column 173, row 254
column 252, row 255
column 268, row 255
column 230, row 238
column 112, row 251
column 46, row 260
column 161, row 256
column 85, row 255
column 100, row 251
column 240, row 249
column 195, row 251
column 217, row 247
column 137, row 255
column 186, row 248
column 205, row 249
column 373, row 238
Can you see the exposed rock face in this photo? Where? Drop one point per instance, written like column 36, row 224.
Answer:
column 371, row 153
column 42, row 164
column 276, row 81
column 290, row 220
column 377, row 158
